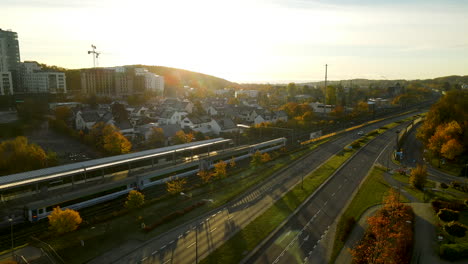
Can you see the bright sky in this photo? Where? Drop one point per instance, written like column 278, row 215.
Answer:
column 249, row 41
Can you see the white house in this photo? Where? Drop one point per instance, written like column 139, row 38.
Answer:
column 172, row 117
column 86, row 120
column 321, row 108
column 201, row 124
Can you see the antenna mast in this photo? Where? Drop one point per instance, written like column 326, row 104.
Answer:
column 325, row 92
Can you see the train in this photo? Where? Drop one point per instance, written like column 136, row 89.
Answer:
column 98, row 194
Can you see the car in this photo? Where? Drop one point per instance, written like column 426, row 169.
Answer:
column 360, row 133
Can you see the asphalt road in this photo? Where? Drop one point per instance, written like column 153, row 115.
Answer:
column 193, row 241
column 298, row 240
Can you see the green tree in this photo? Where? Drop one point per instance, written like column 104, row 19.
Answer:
column 292, row 89
column 64, row 221
column 418, row 177
column 135, row 199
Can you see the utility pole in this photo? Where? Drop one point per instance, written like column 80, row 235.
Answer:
column 325, row 90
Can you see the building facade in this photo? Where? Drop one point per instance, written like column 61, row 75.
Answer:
column 9, row 60
column 119, row 81
column 36, row 80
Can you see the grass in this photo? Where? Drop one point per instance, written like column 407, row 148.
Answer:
column 250, row 236
column 370, row 193
column 102, row 237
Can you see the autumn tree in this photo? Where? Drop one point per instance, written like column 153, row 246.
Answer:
column 220, row 170
column 232, row 162
column 265, row 157
column 107, row 138
column 205, row 175
column 18, row 155
column 418, row 177
column 389, row 235
column 451, row 149
column 115, row 143
column 175, row 186
column 135, row 199
column 181, row 137
column 64, row 221
column 256, row 159
column 156, row 138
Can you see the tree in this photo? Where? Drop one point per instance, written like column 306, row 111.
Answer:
column 232, row 162
column 205, row 176
column 17, row 155
column 119, row 112
column 256, row 159
column 62, row 113
column 418, row 177
column 64, row 221
column 181, row 137
column 175, row 186
column 115, row 143
column 265, row 157
column 451, row 149
column 135, row 199
column 292, row 89
column 156, row 138
column 220, row 170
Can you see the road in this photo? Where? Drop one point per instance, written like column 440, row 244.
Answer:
column 193, row 241
column 298, row 240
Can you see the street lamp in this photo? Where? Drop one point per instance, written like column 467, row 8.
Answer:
column 12, row 245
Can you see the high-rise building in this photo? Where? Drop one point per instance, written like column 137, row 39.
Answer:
column 9, row 61
column 36, row 80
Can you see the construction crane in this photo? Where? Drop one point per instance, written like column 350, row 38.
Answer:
column 95, row 55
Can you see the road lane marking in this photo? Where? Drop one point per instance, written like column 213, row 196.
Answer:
column 339, row 187
column 333, row 194
column 143, row 259
column 213, row 229
column 325, row 203
column 246, row 206
column 189, row 246
column 171, row 242
column 163, row 247
column 167, row 261
column 230, row 217
column 154, row 253
column 180, row 236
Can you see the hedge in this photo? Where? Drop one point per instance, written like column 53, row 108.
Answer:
column 455, row 229
column 448, row 215
column 454, row 251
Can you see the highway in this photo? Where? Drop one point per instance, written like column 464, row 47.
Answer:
column 191, row 242
column 298, row 240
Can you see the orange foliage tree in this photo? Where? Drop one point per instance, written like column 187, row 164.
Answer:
column 389, row 236
column 63, row 221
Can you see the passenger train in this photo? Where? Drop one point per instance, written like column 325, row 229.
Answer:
column 102, row 193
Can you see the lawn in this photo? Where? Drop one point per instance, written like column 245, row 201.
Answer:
column 370, row 193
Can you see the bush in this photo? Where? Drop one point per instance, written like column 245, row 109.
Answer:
column 348, row 227
column 454, row 251
column 455, row 229
column 439, row 204
column 448, row 215
column 459, row 186
column 443, row 186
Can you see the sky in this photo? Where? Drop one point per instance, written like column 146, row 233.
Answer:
column 249, row 41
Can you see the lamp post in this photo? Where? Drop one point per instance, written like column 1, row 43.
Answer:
column 12, row 245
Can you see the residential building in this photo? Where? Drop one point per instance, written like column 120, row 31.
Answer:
column 98, row 81
column 36, row 80
column 321, row 108
column 248, row 93
column 9, row 62
column 6, row 83
column 152, row 82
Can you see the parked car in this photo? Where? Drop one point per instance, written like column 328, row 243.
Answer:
column 360, row 133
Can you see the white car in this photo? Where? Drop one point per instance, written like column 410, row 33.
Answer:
column 360, row 133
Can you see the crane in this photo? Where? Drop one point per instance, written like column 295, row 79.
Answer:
column 95, row 55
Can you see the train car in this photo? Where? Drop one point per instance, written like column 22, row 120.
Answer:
column 77, row 200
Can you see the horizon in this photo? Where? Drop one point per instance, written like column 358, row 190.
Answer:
column 244, row 42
